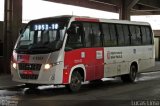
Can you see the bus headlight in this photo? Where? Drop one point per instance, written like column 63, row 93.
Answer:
column 47, row 66
column 14, row 65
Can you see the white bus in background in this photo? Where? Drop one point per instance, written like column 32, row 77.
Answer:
column 69, row 50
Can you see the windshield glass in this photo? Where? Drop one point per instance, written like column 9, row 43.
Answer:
column 41, row 37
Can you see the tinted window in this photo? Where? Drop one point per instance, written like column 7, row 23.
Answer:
column 106, row 35
column 133, row 35
column 126, row 35
column 109, row 35
column 138, row 34
column 96, row 35
column 120, row 35
column 87, row 33
column 75, row 40
column 112, row 31
column 146, row 35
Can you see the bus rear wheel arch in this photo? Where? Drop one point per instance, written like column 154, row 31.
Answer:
column 131, row 77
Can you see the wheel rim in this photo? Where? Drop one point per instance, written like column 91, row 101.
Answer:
column 75, row 82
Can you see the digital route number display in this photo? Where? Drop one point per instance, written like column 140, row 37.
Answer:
column 39, row 27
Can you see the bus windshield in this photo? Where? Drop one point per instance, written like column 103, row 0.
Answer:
column 41, row 37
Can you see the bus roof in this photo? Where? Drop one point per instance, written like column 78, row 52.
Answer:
column 83, row 18
column 49, row 19
column 89, row 19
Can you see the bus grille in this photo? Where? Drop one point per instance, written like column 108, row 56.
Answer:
column 25, row 76
column 26, row 66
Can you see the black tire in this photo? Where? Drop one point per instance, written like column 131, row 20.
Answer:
column 131, row 76
column 31, row 86
column 75, row 83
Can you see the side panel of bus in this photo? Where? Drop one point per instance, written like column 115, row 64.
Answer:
column 91, row 58
column 123, row 44
column 119, row 59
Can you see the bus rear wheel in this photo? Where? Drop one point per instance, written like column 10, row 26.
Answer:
column 131, row 76
column 75, row 83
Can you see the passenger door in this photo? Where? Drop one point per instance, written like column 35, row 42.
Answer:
column 94, row 50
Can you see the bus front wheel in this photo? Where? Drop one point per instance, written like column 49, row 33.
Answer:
column 75, row 83
column 131, row 76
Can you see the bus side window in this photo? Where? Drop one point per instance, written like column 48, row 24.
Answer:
column 113, row 36
column 87, row 33
column 133, row 35
column 144, row 35
column 139, row 37
column 96, row 35
column 127, row 36
column 106, row 35
column 109, row 35
column 75, row 38
column 148, row 33
column 120, row 35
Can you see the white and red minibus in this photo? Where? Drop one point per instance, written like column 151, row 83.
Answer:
column 69, row 50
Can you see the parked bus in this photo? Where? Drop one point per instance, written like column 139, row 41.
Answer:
column 69, row 50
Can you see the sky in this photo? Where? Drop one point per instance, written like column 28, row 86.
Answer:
column 48, row 9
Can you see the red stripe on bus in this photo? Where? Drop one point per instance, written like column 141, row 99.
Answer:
column 92, row 58
column 23, row 58
column 28, row 72
column 87, row 19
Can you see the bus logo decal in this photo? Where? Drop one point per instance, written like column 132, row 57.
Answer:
column 83, row 55
column 99, row 54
